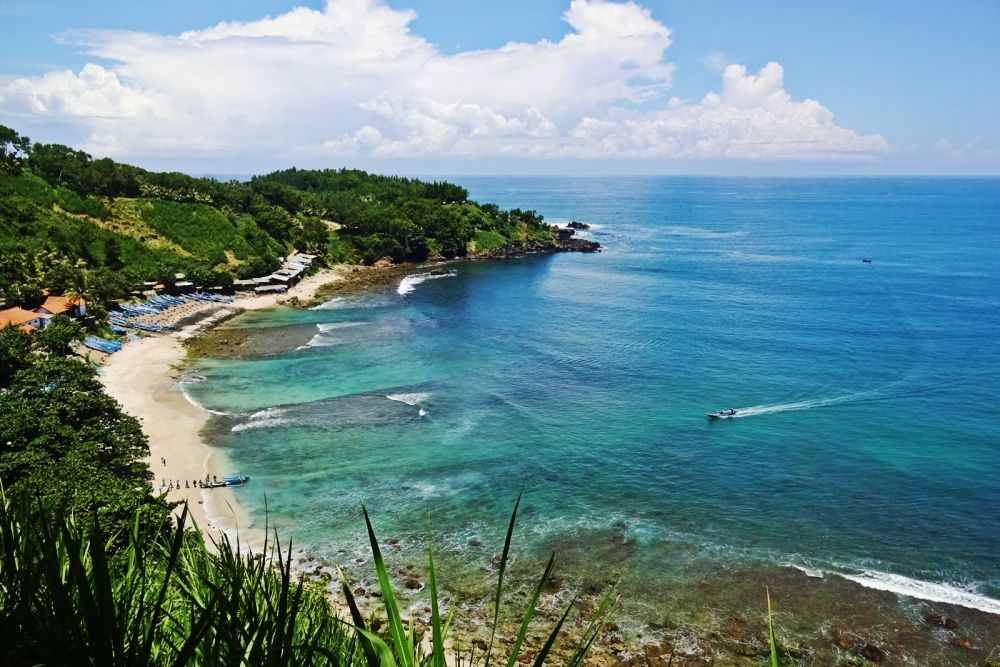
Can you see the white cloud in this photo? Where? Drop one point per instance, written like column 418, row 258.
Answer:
column 353, row 80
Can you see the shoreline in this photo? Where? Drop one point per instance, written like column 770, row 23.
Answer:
column 144, row 378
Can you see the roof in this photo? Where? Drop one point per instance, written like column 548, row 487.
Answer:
column 14, row 317
column 60, row 304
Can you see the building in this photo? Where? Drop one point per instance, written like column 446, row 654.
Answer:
column 57, row 305
column 25, row 320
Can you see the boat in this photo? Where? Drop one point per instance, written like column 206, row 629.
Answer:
column 235, row 481
column 722, row 414
column 866, row 260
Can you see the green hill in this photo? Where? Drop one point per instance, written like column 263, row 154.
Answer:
column 124, row 225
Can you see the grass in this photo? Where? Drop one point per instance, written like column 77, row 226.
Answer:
column 402, row 648
column 70, row 595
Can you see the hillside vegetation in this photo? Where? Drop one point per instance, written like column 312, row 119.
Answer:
column 114, row 218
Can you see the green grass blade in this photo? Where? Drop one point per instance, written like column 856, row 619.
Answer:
column 399, row 636
column 359, row 621
column 597, row 623
column 772, row 642
column 384, row 653
column 529, row 613
column 437, row 636
column 540, row 660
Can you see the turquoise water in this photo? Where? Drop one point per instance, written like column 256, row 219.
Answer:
column 868, row 442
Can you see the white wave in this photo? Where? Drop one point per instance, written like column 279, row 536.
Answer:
column 260, row 423
column 198, row 405
column 410, row 399
column 422, row 413
column 409, row 283
column 266, row 418
column 961, row 596
column 813, row 572
column 335, row 303
column 330, row 326
column 267, row 413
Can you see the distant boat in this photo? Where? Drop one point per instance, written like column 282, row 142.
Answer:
column 866, row 260
column 722, row 414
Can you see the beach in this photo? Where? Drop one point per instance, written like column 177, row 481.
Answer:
column 144, row 378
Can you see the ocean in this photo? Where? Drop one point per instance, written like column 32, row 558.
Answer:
column 866, row 445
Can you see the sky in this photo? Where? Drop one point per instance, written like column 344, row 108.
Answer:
column 785, row 87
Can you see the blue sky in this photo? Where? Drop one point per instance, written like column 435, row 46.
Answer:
column 896, row 87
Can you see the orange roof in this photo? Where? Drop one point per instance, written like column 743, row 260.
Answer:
column 27, row 328
column 13, row 317
column 60, row 304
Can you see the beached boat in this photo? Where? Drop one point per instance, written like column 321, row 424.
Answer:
column 238, row 480
column 722, row 414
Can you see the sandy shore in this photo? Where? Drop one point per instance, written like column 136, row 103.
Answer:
column 143, row 377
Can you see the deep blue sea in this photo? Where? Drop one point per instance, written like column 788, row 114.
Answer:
column 867, row 441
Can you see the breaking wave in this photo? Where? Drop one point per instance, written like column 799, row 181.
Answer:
column 961, row 596
column 415, row 398
column 409, row 283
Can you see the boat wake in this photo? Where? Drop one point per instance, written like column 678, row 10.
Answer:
column 757, row 410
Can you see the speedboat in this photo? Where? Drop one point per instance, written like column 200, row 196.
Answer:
column 722, row 414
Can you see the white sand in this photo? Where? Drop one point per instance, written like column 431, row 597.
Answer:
column 143, row 377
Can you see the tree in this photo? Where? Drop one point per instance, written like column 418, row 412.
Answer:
column 60, row 333
column 13, row 148
column 66, row 441
column 15, row 353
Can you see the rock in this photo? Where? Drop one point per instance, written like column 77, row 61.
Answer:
column 941, row 621
column 414, row 584
column 383, row 263
column 475, row 543
column 737, row 628
column 577, row 245
column 359, row 592
column 843, row 640
column 497, row 559
column 565, row 234
column 439, row 272
column 578, row 225
column 872, row 652
column 961, row 642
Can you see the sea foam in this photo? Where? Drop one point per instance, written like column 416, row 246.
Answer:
column 409, row 283
column 415, row 398
column 925, row 590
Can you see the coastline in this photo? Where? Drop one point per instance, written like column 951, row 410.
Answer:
column 144, row 378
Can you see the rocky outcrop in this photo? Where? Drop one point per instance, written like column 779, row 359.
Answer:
column 577, row 245
column 578, row 225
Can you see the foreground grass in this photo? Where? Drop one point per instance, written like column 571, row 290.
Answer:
column 70, row 595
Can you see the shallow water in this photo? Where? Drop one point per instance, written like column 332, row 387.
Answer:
column 867, row 442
